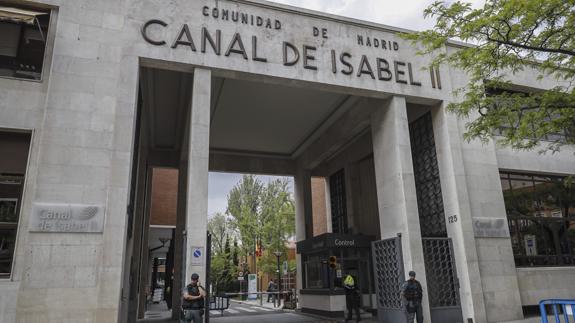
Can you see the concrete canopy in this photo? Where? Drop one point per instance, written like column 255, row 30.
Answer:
column 275, row 124
column 252, row 117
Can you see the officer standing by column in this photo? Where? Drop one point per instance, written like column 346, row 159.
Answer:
column 193, row 301
column 411, row 296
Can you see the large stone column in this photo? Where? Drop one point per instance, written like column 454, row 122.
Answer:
column 144, row 250
column 303, row 206
column 197, row 188
column 179, row 266
column 456, row 202
column 395, row 181
column 471, row 188
column 130, row 291
column 303, row 214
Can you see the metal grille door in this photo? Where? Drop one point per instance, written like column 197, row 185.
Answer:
column 338, row 204
column 427, row 183
column 442, row 282
column 388, row 274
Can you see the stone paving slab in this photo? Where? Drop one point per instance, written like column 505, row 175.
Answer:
column 257, row 303
column 536, row 319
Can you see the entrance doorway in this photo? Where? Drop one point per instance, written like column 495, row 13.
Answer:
column 252, row 227
column 322, row 138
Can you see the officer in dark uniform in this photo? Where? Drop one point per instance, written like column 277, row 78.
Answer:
column 193, row 301
column 411, row 296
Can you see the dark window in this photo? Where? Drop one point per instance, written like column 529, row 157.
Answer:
column 316, row 274
column 565, row 135
column 23, row 33
column 12, row 170
column 338, row 204
column 541, row 217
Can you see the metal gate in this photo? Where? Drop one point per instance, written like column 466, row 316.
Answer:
column 442, row 281
column 388, row 275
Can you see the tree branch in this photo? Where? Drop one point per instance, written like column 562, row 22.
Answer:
column 535, row 48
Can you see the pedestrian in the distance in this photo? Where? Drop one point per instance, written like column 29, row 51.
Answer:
column 271, row 288
column 352, row 298
column 193, row 301
column 412, row 295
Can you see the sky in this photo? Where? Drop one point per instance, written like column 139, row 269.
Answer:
column 219, row 184
column 406, row 14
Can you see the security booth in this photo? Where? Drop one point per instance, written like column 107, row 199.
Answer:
column 326, row 260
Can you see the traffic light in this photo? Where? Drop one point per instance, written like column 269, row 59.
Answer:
column 332, row 262
column 259, row 248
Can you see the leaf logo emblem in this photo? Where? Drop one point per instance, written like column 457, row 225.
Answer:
column 87, row 213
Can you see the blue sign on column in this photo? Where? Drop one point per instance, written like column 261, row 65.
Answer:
column 197, row 256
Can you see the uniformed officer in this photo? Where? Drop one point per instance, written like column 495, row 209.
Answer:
column 352, row 298
column 411, row 295
column 193, row 301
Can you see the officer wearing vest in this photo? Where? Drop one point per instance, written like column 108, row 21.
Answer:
column 352, row 298
column 193, row 301
column 411, row 296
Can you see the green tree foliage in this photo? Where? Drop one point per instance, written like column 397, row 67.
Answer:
column 509, row 36
column 244, row 205
column 235, row 254
column 223, row 265
column 222, row 274
column 265, row 213
column 219, row 227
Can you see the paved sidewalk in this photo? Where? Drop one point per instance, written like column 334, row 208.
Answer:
column 286, row 317
column 535, row 319
column 289, row 315
column 158, row 312
column 257, row 303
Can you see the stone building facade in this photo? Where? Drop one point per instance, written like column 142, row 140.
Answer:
column 98, row 92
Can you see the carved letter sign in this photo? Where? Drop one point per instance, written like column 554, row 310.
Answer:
column 490, row 228
column 66, row 218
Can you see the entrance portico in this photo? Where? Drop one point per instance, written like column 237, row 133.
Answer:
column 266, row 128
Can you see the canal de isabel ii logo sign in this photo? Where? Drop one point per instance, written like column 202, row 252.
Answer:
column 490, row 228
column 207, row 40
column 48, row 217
